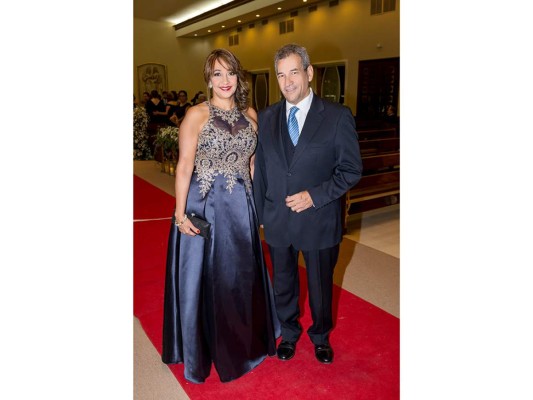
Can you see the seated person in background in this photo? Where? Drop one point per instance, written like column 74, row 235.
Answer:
column 195, row 98
column 201, row 98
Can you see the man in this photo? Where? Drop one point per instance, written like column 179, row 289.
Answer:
column 298, row 187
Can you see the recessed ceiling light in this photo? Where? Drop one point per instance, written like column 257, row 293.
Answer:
column 195, row 34
column 239, row 21
column 209, row 30
column 223, row 26
column 257, row 15
column 279, row 8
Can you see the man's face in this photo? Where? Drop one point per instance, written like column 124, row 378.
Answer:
column 293, row 80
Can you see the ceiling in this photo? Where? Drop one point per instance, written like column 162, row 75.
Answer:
column 225, row 18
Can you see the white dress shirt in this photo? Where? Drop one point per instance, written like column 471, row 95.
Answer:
column 303, row 109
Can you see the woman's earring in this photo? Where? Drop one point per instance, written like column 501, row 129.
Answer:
column 210, row 86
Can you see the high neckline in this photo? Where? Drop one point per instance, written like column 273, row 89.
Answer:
column 222, row 109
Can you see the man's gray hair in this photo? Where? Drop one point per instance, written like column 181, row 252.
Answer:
column 289, row 49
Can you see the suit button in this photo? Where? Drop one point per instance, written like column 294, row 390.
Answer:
column 289, row 174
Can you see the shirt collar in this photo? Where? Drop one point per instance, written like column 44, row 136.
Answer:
column 303, row 105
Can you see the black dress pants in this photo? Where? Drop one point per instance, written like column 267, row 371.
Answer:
column 319, row 266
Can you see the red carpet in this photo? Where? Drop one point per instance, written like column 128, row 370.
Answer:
column 365, row 338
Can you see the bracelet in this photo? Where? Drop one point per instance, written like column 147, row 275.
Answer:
column 181, row 223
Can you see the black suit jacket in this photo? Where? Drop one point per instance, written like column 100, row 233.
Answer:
column 326, row 162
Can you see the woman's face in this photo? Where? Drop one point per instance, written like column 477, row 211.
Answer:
column 223, row 80
column 182, row 97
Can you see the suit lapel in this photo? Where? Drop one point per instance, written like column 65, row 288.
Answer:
column 312, row 122
column 278, row 127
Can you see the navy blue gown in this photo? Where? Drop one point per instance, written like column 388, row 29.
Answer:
column 219, row 306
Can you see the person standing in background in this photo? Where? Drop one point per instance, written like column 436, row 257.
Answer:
column 154, row 108
column 182, row 107
column 145, row 99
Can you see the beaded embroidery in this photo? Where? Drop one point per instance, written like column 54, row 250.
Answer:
column 225, row 145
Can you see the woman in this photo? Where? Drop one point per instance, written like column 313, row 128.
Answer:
column 145, row 99
column 170, row 107
column 218, row 297
column 154, row 107
column 182, row 107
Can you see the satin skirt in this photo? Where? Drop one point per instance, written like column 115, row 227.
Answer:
column 219, row 305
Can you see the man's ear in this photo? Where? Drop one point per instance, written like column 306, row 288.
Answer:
column 310, row 73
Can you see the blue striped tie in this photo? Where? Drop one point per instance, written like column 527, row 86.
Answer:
column 293, row 125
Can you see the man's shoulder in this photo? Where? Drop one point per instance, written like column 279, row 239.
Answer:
column 332, row 106
column 272, row 109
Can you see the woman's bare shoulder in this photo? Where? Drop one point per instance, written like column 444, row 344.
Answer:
column 199, row 110
column 251, row 114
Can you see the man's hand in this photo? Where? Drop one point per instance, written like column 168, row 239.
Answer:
column 299, row 202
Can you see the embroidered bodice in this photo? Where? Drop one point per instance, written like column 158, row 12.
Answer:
column 225, row 145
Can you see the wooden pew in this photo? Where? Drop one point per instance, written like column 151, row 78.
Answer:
column 381, row 162
column 375, row 185
column 379, row 146
column 379, row 186
column 385, row 133
column 362, row 124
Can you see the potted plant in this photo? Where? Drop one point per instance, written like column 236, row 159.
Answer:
column 141, row 148
column 167, row 141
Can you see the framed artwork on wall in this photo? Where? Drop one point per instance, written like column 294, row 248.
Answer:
column 152, row 77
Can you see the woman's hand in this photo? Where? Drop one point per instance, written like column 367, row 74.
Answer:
column 186, row 227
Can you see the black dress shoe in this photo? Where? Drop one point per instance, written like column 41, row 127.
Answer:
column 286, row 350
column 324, row 353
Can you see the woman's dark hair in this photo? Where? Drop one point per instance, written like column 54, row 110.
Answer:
column 233, row 64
